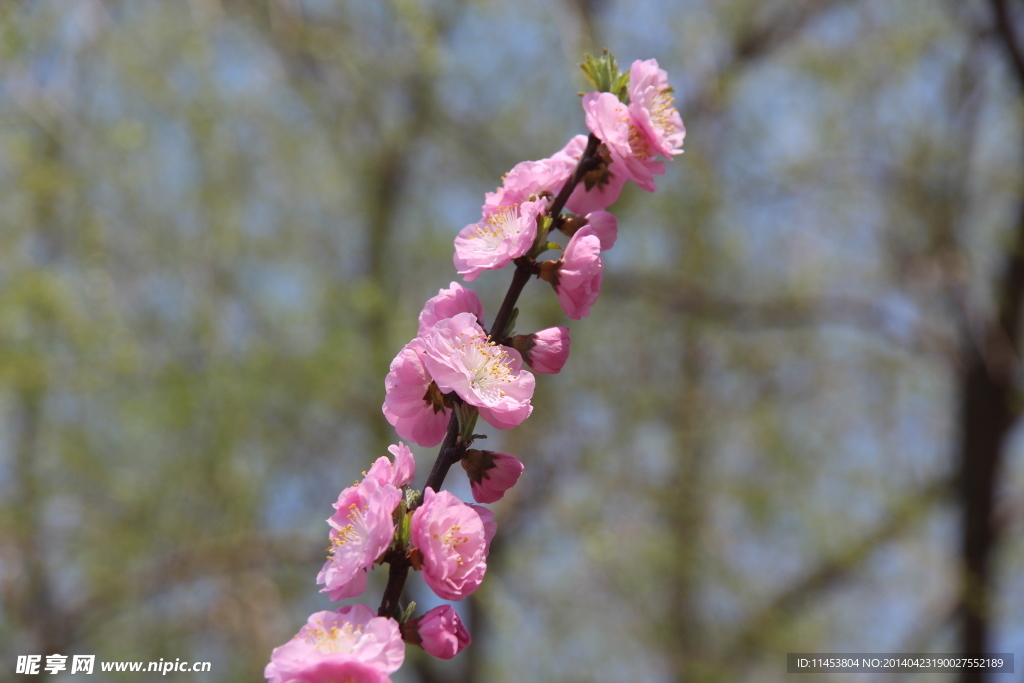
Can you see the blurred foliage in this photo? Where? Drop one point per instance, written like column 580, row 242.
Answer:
column 221, row 217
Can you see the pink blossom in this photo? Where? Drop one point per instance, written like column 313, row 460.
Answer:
column 532, row 180
column 461, row 358
column 504, row 233
column 545, row 351
column 441, row 632
column 397, row 474
column 490, row 526
column 412, row 403
column 448, row 302
column 491, row 474
column 635, row 134
column 361, row 530
column 577, row 276
column 631, row 153
column 605, row 182
column 331, row 671
column 332, row 642
column 452, row 542
column 652, row 110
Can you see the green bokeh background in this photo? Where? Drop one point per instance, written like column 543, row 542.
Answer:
column 220, row 218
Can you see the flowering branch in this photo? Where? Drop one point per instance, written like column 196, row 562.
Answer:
column 455, row 372
column 453, row 448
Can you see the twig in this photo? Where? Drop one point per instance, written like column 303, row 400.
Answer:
column 452, row 447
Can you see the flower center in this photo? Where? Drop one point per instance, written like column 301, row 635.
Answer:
column 662, row 110
column 451, row 542
column 498, row 227
column 335, row 640
column 489, row 366
column 639, row 144
column 356, row 530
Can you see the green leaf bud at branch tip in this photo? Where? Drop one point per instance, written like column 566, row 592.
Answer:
column 603, row 73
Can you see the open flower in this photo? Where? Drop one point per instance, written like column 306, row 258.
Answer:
column 491, row 474
column 576, row 277
column 652, row 110
column 440, row 632
column 333, row 671
column 504, row 233
column 461, row 358
column 412, row 402
column 532, row 180
column 490, row 526
column 351, row 644
column 453, row 543
column 361, row 530
column 635, row 134
column 448, row 302
column 610, row 120
column 397, row 473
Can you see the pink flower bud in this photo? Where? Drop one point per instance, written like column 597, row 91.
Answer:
column 491, row 474
column 545, row 351
column 441, row 632
column 577, row 280
column 605, row 226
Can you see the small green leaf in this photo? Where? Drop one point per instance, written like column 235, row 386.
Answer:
column 620, row 88
column 404, row 529
column 407, row 614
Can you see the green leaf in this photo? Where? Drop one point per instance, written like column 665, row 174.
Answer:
column 407, row 614
column 603, row 73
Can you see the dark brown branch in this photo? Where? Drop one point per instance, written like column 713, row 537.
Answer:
column 988, row 413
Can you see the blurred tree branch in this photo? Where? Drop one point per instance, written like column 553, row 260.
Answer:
column 990, row 407
column 758, row 630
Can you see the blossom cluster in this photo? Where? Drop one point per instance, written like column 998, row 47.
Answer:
column 455, row 370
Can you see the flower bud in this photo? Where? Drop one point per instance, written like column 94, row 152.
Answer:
column 491, row 474
column 577, row 275
column 545, row 351
column 440, row 632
